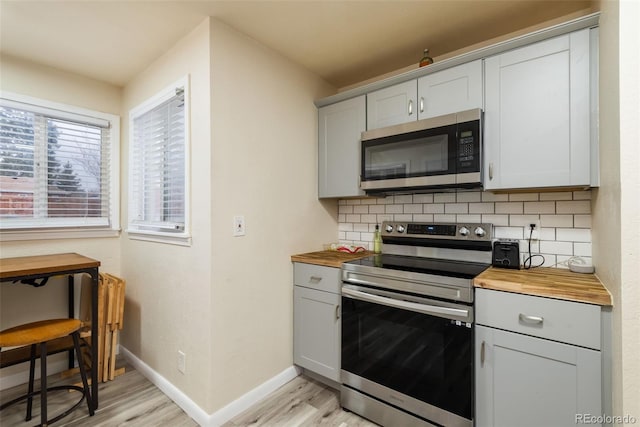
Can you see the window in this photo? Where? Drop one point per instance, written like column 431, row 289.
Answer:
column 58, row 170
column 158, row 201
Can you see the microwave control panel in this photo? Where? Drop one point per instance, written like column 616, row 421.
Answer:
column 468, row 138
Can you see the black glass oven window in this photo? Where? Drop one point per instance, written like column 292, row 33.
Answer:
column 425, row 357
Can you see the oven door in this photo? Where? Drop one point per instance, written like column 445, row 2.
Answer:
column 411, row 352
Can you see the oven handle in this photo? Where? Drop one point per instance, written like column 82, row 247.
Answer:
column 405, row 305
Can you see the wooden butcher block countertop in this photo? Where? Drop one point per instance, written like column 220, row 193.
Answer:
column 546, row 282
column 329, row 258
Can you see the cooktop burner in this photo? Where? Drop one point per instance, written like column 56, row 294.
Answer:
column 441, row 267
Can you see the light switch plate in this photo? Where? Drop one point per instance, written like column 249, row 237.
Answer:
column 238, row 226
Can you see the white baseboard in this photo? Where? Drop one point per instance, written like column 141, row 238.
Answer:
column 222, row 415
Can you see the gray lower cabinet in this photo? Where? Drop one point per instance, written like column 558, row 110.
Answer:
column 523, row 379
column 316, row 319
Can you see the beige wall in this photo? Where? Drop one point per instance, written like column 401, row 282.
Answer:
column 34, row 80
column 630, row 204
column 168, row 286
column 264, row 157
column 616, row 219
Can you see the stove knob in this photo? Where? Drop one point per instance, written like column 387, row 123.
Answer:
column 400, row 229
column 480, row 232
column 388, row 228
column 464, row 231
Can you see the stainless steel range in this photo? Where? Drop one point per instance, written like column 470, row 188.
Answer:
column 407, row 325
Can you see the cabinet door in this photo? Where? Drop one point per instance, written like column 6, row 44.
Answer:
column 339, row 128
column 449, row 91
column 537, row 115
column 392, row 105
column 316, row 331
column 523, row 381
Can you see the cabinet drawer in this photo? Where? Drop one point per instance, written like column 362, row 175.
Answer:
column 317, row 277
column 564, row 321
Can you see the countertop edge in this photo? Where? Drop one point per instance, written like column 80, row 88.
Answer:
column 597, row 295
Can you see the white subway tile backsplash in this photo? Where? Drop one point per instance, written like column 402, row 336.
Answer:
column 481, row 208
column 496, row 220
column 509, row 208
column 491, row 197
column 556, row 220
column 574, row 207
column 522, row 197
column 376, row 209
column 565, row 218
column 444, row 198
column 369, row 218
column 423, row 198
column 539, row 207
column 413, row 209
column 565, row 195
column 582, row 249
column 353, row 218
column 456, row 208
column 469, row 218
column 582, row 221
column 573, row 234
column 559, row 248
column 444, row 218
column 468, row 196
column 406, row 198
column 393, row 209
column 582, row 195
column 508, row 232
column 403, row 217
column 522, row 220
column 351, row 235
column 361, row 209
column 435, row 208
column 361, row 227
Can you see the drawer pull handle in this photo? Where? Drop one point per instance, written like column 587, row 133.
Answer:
column 315, row 279
column 534, row 320
column 482, row 354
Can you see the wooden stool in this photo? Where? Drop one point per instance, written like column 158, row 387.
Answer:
column 39, row 333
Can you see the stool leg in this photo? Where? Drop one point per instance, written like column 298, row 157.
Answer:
column 43, row 383
column 83, row 374
column 32, row 369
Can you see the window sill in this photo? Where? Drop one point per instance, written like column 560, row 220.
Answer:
column 72, row 233
column 159, row 237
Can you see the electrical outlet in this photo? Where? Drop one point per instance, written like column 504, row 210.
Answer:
column 536, row 230
column 182, row 361
column 238, row 226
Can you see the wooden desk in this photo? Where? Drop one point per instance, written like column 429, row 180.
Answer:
column 45, row 266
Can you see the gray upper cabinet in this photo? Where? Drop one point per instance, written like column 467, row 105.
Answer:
column 537, row 115
column 392, row 105
column 448, row 91
column 339, row 128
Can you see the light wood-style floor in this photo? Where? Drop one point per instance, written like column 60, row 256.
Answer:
column 131, row 400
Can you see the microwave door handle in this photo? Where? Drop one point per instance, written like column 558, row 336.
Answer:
column 405, row 305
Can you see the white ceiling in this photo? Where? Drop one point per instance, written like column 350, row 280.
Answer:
column 343, row 41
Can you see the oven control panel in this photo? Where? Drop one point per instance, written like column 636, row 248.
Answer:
column 449, row 231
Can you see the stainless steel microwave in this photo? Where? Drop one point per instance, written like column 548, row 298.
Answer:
column 430, row 154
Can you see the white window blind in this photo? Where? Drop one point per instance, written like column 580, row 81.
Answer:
column 158, row 202
column 55, row 168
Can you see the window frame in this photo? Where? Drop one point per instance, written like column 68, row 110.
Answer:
column 52, row 231
column 183, row 237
